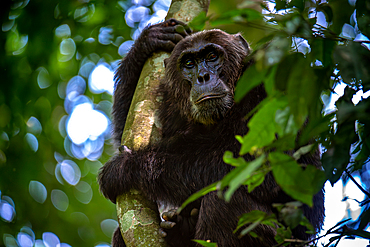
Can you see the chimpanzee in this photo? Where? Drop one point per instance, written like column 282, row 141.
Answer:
column 199, row 121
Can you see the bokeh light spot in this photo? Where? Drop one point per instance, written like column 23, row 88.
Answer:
column 101, row 80
column 105, row 35
column 2, row 157
column 348, row 32
column 63, row 245
column 74, row 93
column 76, row 86
column 27, row 230
column 7, row 211
column 32, row 142
column 67, row 50
column 37, row 191
column 70, row 172
column 16, row 43
column 39, row 243
column 135, row 14
column 63, row 31
column 79, row 218
column 43, row 78
column 125, row 47
column 85, row 122
column 163, row 5
column 58, row 174
column 24, row 240
column 80, row 12
column 59, row 200
column 86, row 68
column 7, row 25
column 9, row 240
column 86, row 233
column 50, row 239
column 91, row 149
column 108, row 226
column 83, row 192
column 34, row 126
column 94, row 166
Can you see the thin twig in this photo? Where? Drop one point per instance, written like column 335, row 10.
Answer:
column 358, row 185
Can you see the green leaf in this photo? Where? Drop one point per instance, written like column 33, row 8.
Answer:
column 252, row 216
column 252, row 234
column 283, row 143
column 299, row 4
column 232, row 16
column 306, row 223
column 362, row 16
column 205, row 243
column 353, row 60
column 300, row 184
column 301, row 89
column 322, row 50
column 239, row 175
column 291, row 215
column 285, row 120
column 250, row 79
column 266, row 40
column 302, row 151
column 199, row 21
column 229, row 159
column 256, row 180
column 359, row 232
column 250, row 228
column 327, row 10
column 195, row 196
column 276, row 51
column 334, row 162
column 337, row 157
column 342, row 13
column 280, row 4
column 262, row 127
column 269, row 80
column 239, row 138
column 282, row 74
column 282, row 233
column 315, row 127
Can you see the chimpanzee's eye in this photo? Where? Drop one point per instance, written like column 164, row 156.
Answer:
column 212, row 56
column 189, row 63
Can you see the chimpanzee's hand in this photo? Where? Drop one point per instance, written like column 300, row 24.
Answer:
column 179, row 229
column 113, row 178
column 162, row 36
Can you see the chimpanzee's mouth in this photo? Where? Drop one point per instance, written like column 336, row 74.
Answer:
column 210, row 96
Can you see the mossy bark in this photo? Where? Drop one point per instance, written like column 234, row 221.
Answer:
column 138, row 218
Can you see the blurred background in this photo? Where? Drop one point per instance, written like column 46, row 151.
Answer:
column 57, row 63
column 57, row 66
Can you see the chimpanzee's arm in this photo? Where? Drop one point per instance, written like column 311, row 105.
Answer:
column 160, row 37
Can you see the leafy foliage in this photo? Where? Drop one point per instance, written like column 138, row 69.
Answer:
column 298, row 57
column 300, row 61
column 48, row 50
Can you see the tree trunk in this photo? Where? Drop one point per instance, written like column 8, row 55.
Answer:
column 137, row 217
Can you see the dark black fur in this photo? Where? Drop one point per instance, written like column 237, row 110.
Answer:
column 189, row 156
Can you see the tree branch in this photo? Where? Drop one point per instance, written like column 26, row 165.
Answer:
column 138, row 218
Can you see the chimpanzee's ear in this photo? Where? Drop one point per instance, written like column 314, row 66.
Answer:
column 243, row 42
column 248, row 60
column 165, row 62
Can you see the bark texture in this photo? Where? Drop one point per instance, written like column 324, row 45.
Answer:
column 138, row 218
